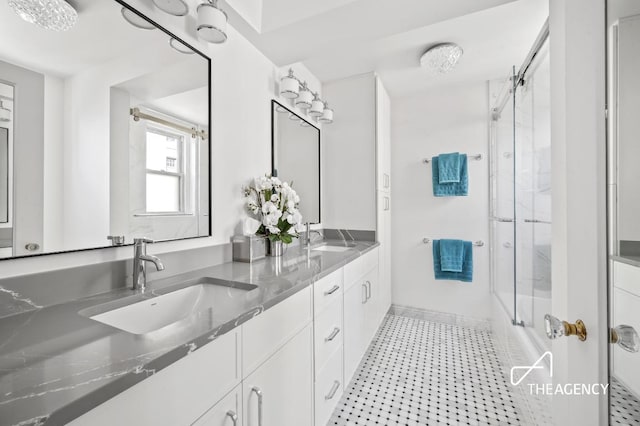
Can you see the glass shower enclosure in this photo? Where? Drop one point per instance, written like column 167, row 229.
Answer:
column 521, row 194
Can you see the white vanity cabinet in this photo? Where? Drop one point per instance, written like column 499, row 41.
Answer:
column 278, row 364
column 363, row 309
column 280, row 391
column 287, row 366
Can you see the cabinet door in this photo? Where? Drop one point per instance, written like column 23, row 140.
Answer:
column 355, row 300
column 227, row 412
column 280, row 391
column 372, row 307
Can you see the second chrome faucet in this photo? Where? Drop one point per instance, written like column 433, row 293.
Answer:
column 140, row 259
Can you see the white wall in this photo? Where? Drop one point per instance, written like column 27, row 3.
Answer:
column 444, row 120
column 349, row 155
column 243, row 83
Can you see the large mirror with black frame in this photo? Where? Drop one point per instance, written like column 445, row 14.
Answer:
column 104, row 132
column 623, row 63
column 295, row 157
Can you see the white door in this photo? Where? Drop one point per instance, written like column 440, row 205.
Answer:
column 579, row 272
column 280, row 391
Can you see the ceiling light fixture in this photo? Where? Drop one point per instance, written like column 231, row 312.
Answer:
column 136, row 20
column 441, row 58
column 172, row 7
column 212, row 22
column 56, row 15
column 5, row 113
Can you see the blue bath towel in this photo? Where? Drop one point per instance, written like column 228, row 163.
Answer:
column 449, row 168
column 451, row 255
column 454, row 188
column 466, row 275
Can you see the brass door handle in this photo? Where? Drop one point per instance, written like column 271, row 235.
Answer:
column 556, row 328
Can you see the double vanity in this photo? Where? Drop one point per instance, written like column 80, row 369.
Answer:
column 269, row 343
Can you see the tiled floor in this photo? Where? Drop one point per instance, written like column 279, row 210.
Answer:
column 625, row 407
column 422, row 372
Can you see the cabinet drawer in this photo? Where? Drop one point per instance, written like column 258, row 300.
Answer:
column 263, row 335
column 328, row 388
column 327, row 290
column 627, row 277
column 178, row 394
column 359, row 267
column 328, row 332
column 227, row 412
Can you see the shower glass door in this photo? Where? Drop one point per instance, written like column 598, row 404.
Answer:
column 503, row 248
column 533, row 197
column 521, row 196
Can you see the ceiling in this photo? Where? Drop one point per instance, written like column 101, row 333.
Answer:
column 339, row 38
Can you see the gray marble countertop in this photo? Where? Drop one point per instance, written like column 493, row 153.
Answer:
column 56, row 364
column 628, row 259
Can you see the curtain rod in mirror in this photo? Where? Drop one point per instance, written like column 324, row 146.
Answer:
column 138, row 115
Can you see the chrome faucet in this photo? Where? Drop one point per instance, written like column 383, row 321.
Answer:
column 307, row 236
column 140, row 259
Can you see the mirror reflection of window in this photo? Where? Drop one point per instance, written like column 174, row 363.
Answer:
column 165, row 177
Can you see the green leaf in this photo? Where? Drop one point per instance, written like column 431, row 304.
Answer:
column 286, row 238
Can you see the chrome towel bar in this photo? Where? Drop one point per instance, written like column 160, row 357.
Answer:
column 470, row 157
column 478, row 243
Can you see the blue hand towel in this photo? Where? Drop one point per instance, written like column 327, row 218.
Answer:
column 451, row 255
column 454, row 188
column 466, row 275
column 449, row 168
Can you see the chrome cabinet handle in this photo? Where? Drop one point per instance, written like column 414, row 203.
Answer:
column 386, row 203
column 258, row 392
column 364, row 286
column 368, row 287
column 233, row 416
column 333, row 335
column 332, row 392
column 332, row 290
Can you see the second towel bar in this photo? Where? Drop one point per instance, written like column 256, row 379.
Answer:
column 478, row 243
column 471, row 157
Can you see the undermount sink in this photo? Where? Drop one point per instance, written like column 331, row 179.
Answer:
column 336, row 249
column 152, row 314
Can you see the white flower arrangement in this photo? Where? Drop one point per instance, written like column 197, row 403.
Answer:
column 275, row 204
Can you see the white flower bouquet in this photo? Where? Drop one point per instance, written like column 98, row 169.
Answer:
column 275, row 204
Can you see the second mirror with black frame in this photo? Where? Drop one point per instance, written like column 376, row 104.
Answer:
column 295, row 157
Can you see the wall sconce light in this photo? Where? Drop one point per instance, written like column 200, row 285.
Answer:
column 305, row 97
column 289, row 86
column 327, row 115
column 317, row 107
column 212, row 22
